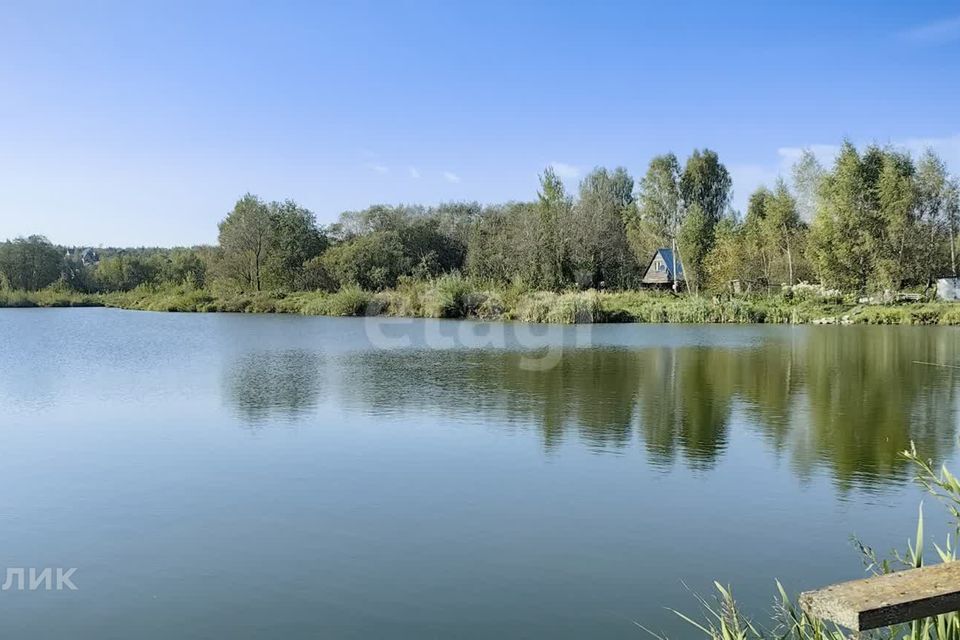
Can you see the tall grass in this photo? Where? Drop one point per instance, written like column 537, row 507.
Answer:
column 456, row 296
column 722, row 618
column 50, row 297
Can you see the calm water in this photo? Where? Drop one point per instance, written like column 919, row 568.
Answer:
column 220, row 476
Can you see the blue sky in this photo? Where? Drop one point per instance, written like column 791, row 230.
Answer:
column 135, row 123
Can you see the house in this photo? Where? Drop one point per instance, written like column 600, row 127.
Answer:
column 87, row 257
column 660, row 271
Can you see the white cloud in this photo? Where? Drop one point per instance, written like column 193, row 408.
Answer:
column 566, row 171
column 825, row 154
column 414, row 173
column 934, row 32
column 449, row 176
column 378, row 168
column 747, row 178
column 947, row 148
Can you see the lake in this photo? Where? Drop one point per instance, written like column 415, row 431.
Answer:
column 230, row 476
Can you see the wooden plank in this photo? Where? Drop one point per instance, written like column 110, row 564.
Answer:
column 889, row 599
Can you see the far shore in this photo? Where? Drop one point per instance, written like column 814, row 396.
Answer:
column 455, row 299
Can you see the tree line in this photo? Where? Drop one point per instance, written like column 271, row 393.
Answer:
column 876, row 220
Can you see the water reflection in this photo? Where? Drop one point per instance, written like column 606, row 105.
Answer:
column 268, row 385
column 846, row 398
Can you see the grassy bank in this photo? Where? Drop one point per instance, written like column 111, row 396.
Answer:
column 47, row 298
column 456, row 297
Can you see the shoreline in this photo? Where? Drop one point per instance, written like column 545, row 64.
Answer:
column 542, row 307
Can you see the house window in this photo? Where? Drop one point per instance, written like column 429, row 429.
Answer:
column 661, row 266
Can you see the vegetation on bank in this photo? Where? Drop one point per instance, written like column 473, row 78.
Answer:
column 454, row 296
column 878, row 221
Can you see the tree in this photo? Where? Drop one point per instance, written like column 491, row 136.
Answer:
column 124, row 272
column 781, row 224
column 30, row 263
column 494, row 250
column 601, row 252
column 726, row 259
column 695, row 241
column 844, row 230
column 707, row 183
column 807, row 178
column 186, row 266
column 898, row 245
column 371, row 261
column 936, row 214
column 659, row 209
column 882, row 220
column 294, row 239
column 316, row 276
column 952, row 214
column 553, row 207
column 245, row 237
column 705, row 191
column 755, row 236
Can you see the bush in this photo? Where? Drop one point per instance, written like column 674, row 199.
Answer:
column 576, row 308
column 451, row 296
column 535, row 307
column 349, row 301
column 50, row 297
column 950, row 316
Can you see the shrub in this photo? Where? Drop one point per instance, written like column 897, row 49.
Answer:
column 576, row 308
column 535, row 307
column 349, row 301
column 950, row 316
column 450, row 296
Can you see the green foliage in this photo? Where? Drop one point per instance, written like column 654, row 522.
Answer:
column 600, row 251
column 372, row 261
column 580, row 307
column 50, row 297
column 727, row 257
column 245, row 236
column 315, row 276
column 29, row 264
column 659, row 206
column 879, row 221
column 125, row 272
column 348, row 301
column 553, row 238
column 706, row 183
column 451, row 296
column 266, row 245
column 294, row 240
column 695, row 241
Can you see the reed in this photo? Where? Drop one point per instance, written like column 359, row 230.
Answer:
column 456, row 296
column 722, row 619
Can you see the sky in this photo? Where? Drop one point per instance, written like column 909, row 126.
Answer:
column 140, row 123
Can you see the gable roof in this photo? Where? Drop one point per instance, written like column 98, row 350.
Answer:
column 667, row 255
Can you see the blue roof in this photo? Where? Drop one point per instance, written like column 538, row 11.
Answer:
column 667, row 255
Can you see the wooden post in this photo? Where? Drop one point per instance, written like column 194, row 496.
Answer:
column 890, row 599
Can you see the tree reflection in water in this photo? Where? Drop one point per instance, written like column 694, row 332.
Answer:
column 269, row 385
column 845, row 398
